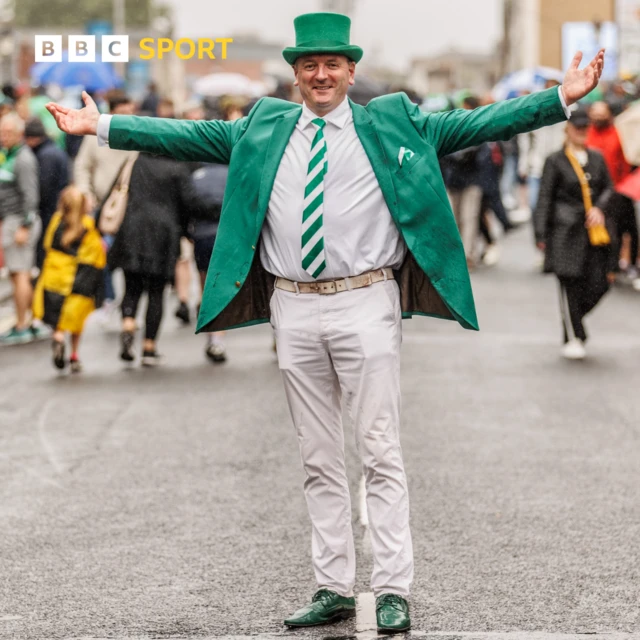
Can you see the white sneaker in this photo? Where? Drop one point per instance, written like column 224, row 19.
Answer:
column 636, row 284
column 574, row 350
column 106, row 313
column 491, row 255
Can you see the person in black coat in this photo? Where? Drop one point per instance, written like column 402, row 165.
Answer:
column 147, row 244
column 53, row 164
column 562, row 220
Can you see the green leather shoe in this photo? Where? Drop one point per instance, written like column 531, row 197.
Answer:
column 392, row 613
column 326, row 607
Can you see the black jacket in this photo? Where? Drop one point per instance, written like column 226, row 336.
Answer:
column 559, row 218
column 54, row 177
column 148, row 242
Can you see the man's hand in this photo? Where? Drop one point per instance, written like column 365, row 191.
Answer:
column 595, row 218
column 579, row 82
column 78, row 122
column 21, row 236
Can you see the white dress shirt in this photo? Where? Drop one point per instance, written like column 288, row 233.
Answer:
column 359, row 232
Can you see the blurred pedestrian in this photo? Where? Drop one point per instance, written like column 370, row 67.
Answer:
column 21, row 226
column 149, row 105
column 53, row 165
column 147, row 246
column 570, row 228
column 166, row 108
column 603, row 136
column 462, row 176
column 71, row 282
column 94, row 172
column 209, row 182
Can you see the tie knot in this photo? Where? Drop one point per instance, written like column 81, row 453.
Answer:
column 319, row 122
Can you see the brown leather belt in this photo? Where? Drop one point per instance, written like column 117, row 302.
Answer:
column 326, row 287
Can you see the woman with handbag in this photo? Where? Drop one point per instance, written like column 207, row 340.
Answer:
column 147, row 244
column 573, row 231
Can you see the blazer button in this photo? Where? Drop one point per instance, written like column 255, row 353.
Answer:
column 238, row 284
column 253, row 247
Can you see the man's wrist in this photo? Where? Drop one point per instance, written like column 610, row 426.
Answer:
column 102, row 129
column 563, row 101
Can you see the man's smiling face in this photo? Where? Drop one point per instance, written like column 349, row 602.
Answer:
column 323, row 80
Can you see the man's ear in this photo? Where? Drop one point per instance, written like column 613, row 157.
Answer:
column 294, row 66
column 352, row 72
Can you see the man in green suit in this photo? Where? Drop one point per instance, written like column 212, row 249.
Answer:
column 348, row 212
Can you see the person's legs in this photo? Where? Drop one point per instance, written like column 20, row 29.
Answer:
column 133, row 288
column 629, row 225
column 313, row 395
column 155, row 308
column 493, row 201
column 364, row 328
column 571, row 309
column 470, row 202
column 183, row 280
column 74, row 360
column 58, row 347
column 202, row 250
column 533, row 184
column 22, row 295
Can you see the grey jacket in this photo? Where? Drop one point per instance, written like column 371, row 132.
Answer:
column 19, row 187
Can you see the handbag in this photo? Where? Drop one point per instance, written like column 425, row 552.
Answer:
column 598, row 234
column 115, row 206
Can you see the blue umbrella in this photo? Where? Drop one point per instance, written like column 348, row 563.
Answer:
column 92, row 76
column 514, row 84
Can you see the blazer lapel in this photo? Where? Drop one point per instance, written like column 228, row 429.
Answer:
column 277, row 144
column 370, row 140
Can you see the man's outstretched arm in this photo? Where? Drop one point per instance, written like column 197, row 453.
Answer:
column 207, row 141
column 459, row 129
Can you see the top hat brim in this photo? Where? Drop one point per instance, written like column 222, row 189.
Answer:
column 291, row 54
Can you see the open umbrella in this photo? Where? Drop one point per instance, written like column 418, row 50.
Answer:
column 229, row 84
column 628, row 126
column 93, row 76
column 514, row 84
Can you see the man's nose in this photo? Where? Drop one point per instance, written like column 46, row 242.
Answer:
column 321, row 73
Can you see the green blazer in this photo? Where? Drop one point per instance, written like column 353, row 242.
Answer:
column 434, row 279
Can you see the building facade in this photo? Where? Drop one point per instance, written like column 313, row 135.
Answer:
column 533, row 29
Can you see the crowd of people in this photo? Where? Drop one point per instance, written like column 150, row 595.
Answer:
column 565, row 175
column 153, row 217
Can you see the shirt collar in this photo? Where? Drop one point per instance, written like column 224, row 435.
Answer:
column 338, row 117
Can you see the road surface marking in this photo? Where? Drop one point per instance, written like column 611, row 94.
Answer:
column 366, row 625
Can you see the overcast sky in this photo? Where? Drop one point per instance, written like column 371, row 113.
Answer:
column 400, row 29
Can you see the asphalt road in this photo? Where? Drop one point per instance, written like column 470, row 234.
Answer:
column 168, row 503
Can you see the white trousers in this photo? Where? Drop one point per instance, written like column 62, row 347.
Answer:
column 347, row 346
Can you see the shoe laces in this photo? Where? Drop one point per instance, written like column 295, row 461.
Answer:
column 321, row 595
column 398, row 602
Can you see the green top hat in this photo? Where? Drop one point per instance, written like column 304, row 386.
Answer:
column 322, row 33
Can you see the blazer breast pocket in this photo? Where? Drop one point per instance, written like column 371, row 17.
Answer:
column 409, row 165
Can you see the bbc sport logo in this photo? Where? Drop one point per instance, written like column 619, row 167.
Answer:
column 116, row 48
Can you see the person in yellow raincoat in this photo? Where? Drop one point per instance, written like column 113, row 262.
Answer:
column 71, row 283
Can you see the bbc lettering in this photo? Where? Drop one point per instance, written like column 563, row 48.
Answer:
column 116, row 48
column 82, row 48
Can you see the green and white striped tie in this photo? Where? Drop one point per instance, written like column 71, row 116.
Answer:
column 312, row 234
